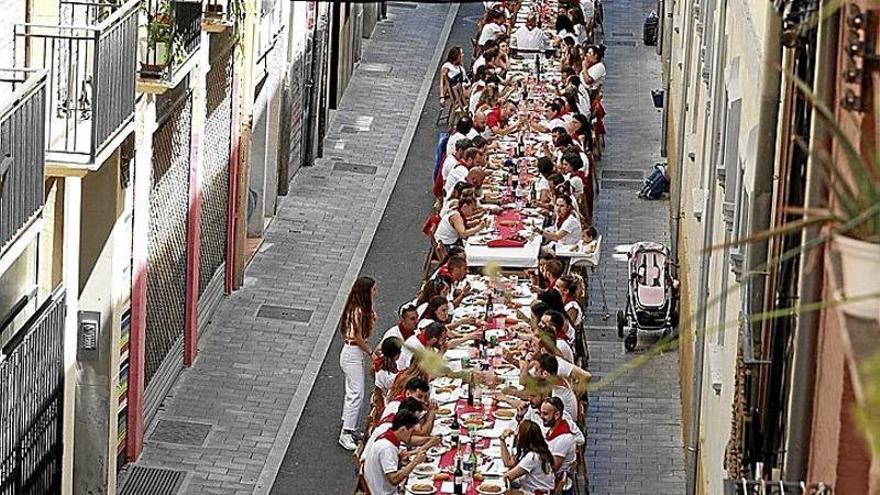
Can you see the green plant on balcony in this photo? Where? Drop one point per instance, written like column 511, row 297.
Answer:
column 159, row 42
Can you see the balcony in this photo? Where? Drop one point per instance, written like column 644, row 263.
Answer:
column 90, row 59
column 22, row 134
column 217, row 16
column 173, row 35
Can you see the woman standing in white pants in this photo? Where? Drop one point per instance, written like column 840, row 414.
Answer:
column 356, row 325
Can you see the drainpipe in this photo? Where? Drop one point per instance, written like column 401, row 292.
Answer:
column 675, row 196
column 666, row 61
column 761, row 205
column 803, row 369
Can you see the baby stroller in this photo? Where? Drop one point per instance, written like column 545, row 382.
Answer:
column 651, row 299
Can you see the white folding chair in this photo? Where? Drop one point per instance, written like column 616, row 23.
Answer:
column 591, row 261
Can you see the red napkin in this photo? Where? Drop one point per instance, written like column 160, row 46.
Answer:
column 505, row 243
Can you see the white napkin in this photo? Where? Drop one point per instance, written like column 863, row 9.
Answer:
column 449, row 487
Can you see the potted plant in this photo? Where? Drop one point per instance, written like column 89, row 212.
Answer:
column 214, row 11
column 158, row 43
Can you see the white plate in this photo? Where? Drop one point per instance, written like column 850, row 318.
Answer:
column 426, row 469
column 504, row 418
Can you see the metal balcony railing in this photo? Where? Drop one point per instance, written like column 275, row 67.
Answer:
column 91, row 67
column 22, row 138
column 174, row 29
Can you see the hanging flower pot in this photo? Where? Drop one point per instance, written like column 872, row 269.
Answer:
column 860, row 263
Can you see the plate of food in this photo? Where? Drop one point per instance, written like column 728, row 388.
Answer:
column 426, row 469
column 444, row 412
column 422, row 488
column 491, row 488
column 504, row 414
column 436, row 451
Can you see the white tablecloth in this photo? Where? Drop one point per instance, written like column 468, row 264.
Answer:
column 524, row 257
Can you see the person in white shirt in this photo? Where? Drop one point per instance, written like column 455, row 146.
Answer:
column 382, row 470
column 566, row 378
column 551, row 328
column 408, row 317
column 552, row 118
column 493, row 28
column 462, row 128
column 593, row 74
column 470, row 158
column 571, row 163
column 530, row 37
column 567, row 228
column 385, row 366
column 532, row 466
column 453, row 228
column 409, row 404
column 428, row 338
column 560, row 439
column 455, row 158
column 571, row 289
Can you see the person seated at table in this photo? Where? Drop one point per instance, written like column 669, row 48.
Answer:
column 589, row 242
column 453, row 227
column 529, row 407
column 553, row 299
column 571, row 57
column 552, row 118
column 462, row 128
column 561, row 440
column 498, row 119
column 407, row 319
column 438, row 311
column 470, row 158
column 487, row 60
column 553, row 268
column 494, row 27
column 455, row 159
column 529, row 37
column 571, row 288
column 569, row 381
column 571, row 168
column 431, row 288
column 409, row 404
column 385, row 364
column 566, row 230
column 454, row 272
column 382, row 470
column 532, row 466
column 552, row 335
column 502, row 61
column 428, row 337
column 543, row 192
column 539, row 277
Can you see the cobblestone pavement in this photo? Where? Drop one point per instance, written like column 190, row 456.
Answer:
column 633, row 422
column 252, row 370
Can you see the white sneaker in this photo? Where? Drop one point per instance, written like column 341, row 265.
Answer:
column 346, row 440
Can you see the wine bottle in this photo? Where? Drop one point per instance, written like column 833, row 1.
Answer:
column 470, row 391
column 455, row 425
column 458, row 479
column 473, row 458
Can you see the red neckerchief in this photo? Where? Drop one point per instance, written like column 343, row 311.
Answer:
column 377, row 364
column 443, row 272
column 399, row 397
column 561, row 428
column 387, row 419
column 551, row 282
column 561, row 335
column 562, row 219
column 423, row 338
column 580, row 173
column 405, row 333
column 391, row 436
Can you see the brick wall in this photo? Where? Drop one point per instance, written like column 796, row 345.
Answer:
column 13, row 12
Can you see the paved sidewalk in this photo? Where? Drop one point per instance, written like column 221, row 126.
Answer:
column 634, row 422
column 254, row 374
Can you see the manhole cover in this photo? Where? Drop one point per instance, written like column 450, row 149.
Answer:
column 284, row 313
column 348, row 129
column 152, row 481
column 620, row 43
column 180, row 432
column 355, row 168
column 636, row 175
column 375, row 67
column 403, row 5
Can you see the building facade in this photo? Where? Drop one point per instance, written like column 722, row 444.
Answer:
column 144, row 148
column 770, row 370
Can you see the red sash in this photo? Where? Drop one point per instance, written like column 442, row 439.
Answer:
column 391, row 436
column 561, row 428
column 387, row 419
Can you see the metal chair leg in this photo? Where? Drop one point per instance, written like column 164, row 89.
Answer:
column 605, row 313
